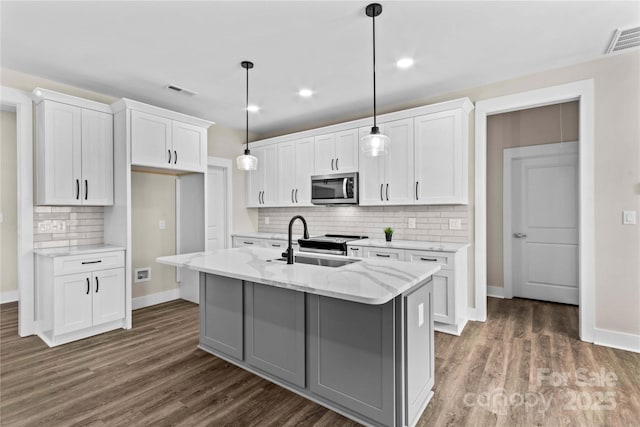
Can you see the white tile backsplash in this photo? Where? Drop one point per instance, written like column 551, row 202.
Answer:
column 84, row 225
column 432, row 222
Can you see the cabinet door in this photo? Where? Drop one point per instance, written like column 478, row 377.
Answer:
column 108, row 295
column 444, row 297
column 304, row 162
column 347, row 151
column 151, row 140
column 72, row 303
column 371, row 177
column 351, row 355
column 399, row 185
column 189, row 147
column 221, row 314
column 325, row 155
column 384, row 253
column 439, row 158
column 97, row 158
column 270, row 195
column 286, row 173
column 256, row 180
column 275, row 331
column 60, row 154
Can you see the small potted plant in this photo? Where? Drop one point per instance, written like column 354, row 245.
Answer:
column 388, row 233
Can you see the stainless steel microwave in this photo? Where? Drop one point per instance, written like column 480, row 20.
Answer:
column 335, row 189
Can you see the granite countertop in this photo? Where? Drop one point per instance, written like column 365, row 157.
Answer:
column 76, row 250
column 368, row 281
column 411, row 244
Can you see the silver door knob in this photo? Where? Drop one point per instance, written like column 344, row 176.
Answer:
column 519, row 235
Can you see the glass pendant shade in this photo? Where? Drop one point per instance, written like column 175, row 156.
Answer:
column 375, row 144
column 247, row 162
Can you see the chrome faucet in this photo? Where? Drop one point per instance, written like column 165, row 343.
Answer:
column 288, row 254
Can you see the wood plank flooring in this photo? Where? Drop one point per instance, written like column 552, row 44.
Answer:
column 516, row 369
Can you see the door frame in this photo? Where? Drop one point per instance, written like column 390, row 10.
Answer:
column 226, row 165
column 511, row 154
column 22, row 102
column 583, row 91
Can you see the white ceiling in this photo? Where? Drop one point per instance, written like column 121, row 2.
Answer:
column 134, row 49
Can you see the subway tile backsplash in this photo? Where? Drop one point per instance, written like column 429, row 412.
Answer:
column 432, row 222
column 83, row 225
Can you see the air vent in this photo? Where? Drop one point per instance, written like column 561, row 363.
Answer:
column 624, row 39
column 181, row 89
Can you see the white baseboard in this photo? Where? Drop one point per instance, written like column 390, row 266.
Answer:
column 495, row 292
column 153, row 299
column 620, row 340
column 8, row 296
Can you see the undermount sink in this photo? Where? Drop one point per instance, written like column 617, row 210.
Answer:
column 324, row 262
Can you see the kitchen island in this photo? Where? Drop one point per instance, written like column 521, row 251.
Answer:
column 356, row 337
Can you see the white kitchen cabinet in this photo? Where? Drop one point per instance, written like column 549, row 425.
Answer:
column 74, row 151
column 441, row 158
column 79, row 295
column 384, row 253
column 388, row 179
column 262, row 183
column 336, row 152
column 239, row 242
column 161, row 142
column 264, row 242
column 295, row 167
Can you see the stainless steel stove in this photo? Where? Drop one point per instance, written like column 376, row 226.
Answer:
column 335, row 244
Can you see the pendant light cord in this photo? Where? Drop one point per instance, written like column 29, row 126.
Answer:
column 247, row 111
column 374, row 69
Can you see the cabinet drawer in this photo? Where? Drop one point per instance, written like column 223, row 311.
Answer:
column 355, row 251
column 386, row 253
column 90, row 262
column 445, row 259
column 239, row 242
column 279, row 244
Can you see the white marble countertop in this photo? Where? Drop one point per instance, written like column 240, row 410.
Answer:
column 419, row 245
column 76, row 250
column 368, row 281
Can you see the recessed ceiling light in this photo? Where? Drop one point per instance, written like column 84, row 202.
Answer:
column 253, row 108
column 404, row 63
column 305, row 93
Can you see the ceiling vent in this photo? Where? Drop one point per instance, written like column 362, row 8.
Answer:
column 624, row 39
column 181, row 89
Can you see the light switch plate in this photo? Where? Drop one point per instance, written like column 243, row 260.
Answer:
column 411, row 223
column 162, row 224
column 455, row 224
column 628, row 217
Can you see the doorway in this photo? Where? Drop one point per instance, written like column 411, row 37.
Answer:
column 540, row 226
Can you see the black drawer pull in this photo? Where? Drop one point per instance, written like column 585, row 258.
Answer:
column 383, row 255
column 429, row 259
column 355, row 249
column 248, row 243
column 276, row 246
column 91, row 262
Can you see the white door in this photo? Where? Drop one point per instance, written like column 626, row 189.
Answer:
column 72, row 303
column 97, row 158
column 347, row 151
column 325, row 154
column 189, row 147
column 151, row 140
column 304, row 170
column 217, row 208
column 544, row 223
column 108, row 295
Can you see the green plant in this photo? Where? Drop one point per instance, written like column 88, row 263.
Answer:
column 388, row 230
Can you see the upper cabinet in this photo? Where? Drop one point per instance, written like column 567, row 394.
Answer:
column 262, row 183
column 295, row 160
column 336, row 152
column 74, row 150
column 160, row 139
column 161, row 142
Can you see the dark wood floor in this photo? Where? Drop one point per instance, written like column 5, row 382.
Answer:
column 494, row 374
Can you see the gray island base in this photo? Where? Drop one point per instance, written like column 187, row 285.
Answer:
column 373, row 363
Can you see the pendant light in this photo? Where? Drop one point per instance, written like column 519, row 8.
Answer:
column 247, row 162
column 374, row 144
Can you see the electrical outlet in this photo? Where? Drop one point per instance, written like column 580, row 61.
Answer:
column 266, row 220
column 44, row 227
column 455, row 224
column 411, row 223
column 629, row 217
column 162, row 224
column 58, row 226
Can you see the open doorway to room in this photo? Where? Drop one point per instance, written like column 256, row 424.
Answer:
column 8, row 205
column 533, row 204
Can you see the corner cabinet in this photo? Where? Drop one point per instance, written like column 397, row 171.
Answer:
column 74, row 150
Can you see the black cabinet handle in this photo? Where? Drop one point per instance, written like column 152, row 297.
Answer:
column 383, row 255
column 292, row 199
column 77, row 189
column 276, row 246
column 381, row 199
column 88, row 285
column 387, row 192
column 86, row 189
column 175, row 160
column 355, row 249
column 332, row 160
column 91, row 262
column 337, row 168
column 248, row 243
column 97, row 285
column 169, row 156
column 429, row 259
column 416, row 190
column 296, row 195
